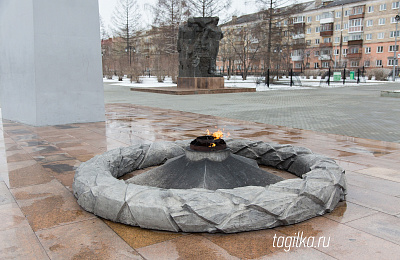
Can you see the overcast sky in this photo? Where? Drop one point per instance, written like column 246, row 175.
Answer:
column 107, row 7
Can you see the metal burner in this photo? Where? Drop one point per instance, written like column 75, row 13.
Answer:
column 207, row 143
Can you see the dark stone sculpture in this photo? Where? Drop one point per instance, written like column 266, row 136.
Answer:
column 198, row 44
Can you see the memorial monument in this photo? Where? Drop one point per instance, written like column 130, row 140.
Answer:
column 50, row 62
column 198, row 44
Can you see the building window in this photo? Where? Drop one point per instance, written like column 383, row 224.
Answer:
column 368, row 36
column 347, row 13
column 395, row 5
column 391, row 62
column 379, row 49
column 392, row 34
column 367, row 50
column 382, row 7
column 345, row 38
column 369, row 23
column 354, row 50
column 382, row 21
column 381, row 35
column 366, row 63
column 299, row 19
column 316, row 41
column 379, row 63
column 308, row 30
column 325, row 64
column 308, row 42
column 327, row 40
column 391, row 48
column 316, row 65
column 317, row 29
column 337, row 39
column 355, row 37
column 297, row 65
column 346, row 26
column 355, row 25
column 345, row 52
column 354, row 63
column 316, row 53
column 309, row 19
column 337, row 27
column 338, row 14
column 317, row 18
column 336, row 52
column 370, row 9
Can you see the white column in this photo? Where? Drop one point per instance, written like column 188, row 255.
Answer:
column 50, row 62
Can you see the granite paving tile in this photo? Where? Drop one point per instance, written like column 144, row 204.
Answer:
column 28, row 175
column 248, row 245
column 381, row 225
column 373, row 200
column 91, row 239
column 373, row 183
column 344, row 242
column 186, row 247
column 5, row 195
column 49, row 205
column 346, row 211
column 138, row 237
column 20, row 243
column 384, row 173
column 11, row 217
column 295, row 253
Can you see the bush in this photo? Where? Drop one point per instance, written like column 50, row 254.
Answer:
column 312, row 73
column 379, row 73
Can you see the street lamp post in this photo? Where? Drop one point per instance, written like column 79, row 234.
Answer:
column 395, row 48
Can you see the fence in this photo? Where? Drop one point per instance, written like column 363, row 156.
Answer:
column 354, row 76
column 276, row 77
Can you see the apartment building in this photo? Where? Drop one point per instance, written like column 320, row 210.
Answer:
column 344, row 33
column 348, row 33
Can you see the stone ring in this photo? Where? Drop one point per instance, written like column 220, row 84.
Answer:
column 321, row 187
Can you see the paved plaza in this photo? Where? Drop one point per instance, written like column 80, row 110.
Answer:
column 356, row 111
column 42, row 220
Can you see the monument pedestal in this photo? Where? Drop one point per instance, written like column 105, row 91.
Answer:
column 200, row 83
column 50, row 62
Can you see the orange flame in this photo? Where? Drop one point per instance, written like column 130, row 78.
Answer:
column 218, row 134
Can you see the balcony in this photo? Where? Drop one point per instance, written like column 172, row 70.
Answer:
column 299, row 25
column 355, row 16
column 297, row 58
column 324, row 57
column 355, row 42
column 325, row 44
column 298, row 36
column 356, row 29
column 326, row 20
column 354, row 55
column 326, row 33
column 357, row 12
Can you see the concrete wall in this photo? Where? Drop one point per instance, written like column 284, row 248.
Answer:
column 50, row 61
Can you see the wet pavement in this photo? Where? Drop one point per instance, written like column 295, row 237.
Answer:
column 41, row 219
column 357, row 111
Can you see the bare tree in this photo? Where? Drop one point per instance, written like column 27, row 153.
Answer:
column 103, row 31
column 126, row 19
column 278, row 27
column 208, row 7
column 245, row 41
column 169, row 15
